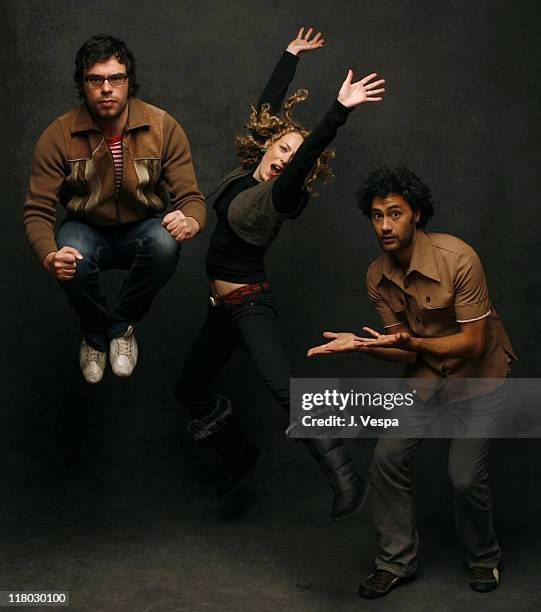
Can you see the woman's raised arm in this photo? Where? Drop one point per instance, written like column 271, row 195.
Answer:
column 284, row 71
column 287, row 189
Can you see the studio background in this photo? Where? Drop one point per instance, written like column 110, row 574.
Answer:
column 461, row 109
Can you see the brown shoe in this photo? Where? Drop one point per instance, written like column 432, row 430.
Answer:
column 484, row 579
column 380, row 583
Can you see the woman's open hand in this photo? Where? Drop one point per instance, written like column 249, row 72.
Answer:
column 303, row 43
column 366, row 90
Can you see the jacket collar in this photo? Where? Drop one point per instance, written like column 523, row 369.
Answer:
column 137, row 117
column 422, row 261
column 236, row 173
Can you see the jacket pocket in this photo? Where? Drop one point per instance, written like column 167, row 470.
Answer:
column 252, row 217
column 82, row 187
column 147, row 175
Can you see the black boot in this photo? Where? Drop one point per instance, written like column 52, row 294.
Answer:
column 335, row 462
column 221, row 431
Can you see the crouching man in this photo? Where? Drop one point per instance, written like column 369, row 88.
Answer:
column 113, row 162
column 430, row 293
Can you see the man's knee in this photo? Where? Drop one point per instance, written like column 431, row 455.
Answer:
column 86, row 267
column 464, row 478
column 388, row 455
column 78, row 236
column 158, row 243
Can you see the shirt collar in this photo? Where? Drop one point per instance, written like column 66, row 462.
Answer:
column 137, row 117
column 422, row 261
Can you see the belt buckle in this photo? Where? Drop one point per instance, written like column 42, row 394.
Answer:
column 213, row 301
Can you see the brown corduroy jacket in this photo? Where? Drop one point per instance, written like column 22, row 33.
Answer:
column 73, row 166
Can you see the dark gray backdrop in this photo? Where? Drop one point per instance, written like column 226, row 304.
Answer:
column 462, row 109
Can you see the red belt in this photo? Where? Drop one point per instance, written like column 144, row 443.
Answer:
column 236, row 297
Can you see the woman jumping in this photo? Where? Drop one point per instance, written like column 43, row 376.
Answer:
column 280, row 160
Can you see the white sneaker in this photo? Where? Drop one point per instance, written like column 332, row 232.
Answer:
column 91, row 362
column 123, row 353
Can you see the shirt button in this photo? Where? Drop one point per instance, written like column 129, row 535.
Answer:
column 428, row 298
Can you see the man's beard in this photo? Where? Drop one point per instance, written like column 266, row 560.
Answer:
column 104, row 114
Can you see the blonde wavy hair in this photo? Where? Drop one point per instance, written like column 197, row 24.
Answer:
column 263, row 126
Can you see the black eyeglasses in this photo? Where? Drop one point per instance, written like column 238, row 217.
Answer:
column 115, row 80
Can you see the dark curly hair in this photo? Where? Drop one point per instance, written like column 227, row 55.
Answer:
column 102, row 47
column 401, row 181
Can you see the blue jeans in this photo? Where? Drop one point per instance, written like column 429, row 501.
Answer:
column 145, row 249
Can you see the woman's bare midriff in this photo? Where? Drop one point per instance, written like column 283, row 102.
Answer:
column 221, row 287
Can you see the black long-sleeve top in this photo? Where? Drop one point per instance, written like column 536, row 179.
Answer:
column 229, row 257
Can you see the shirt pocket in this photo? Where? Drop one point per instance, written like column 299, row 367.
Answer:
column 437, row 306
column 397, row 302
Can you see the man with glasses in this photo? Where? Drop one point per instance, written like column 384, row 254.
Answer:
column 114, row 163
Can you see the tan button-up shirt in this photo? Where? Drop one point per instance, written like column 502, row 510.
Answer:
column 444, row 286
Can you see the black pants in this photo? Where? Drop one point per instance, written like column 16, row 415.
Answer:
column 252, row 325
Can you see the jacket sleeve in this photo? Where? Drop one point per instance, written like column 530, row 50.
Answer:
column 46, row 178
column 287, row 191
column 178, row 173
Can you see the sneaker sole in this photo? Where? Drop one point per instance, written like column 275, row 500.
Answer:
column 122, row 374
column 370, row 594
column 93, row 382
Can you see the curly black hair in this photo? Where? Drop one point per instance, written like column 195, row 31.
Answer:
column 102, row 47
column 401, row 181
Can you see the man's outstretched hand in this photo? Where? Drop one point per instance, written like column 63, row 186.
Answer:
column 400, row 340
column 348, row 342
column 340, row 342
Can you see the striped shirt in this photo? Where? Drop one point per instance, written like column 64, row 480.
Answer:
column 115, row 145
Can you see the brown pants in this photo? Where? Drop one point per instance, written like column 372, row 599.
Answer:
column 392, row 504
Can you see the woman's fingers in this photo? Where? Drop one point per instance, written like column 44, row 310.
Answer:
column 370, row 86
column 368, row 78
column 303, row 42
